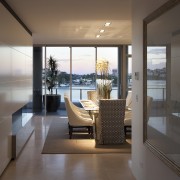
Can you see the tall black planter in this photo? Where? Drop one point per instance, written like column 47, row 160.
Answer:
column 52, row 102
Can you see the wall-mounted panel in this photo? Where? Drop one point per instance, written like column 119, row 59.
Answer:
column 15, row 78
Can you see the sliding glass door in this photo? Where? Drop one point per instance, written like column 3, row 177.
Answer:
column 83, row 71
column 129, row 61
column 110, row 54
column 62, row 57
column 77, row 69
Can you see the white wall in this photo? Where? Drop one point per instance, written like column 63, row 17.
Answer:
column 15, row 77
column 145, row 165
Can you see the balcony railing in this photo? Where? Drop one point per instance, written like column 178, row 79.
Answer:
column 158, row 94
column 77, row 92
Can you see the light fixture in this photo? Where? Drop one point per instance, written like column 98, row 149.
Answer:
column 107, row 24
column 101, row 31
column 97, row 36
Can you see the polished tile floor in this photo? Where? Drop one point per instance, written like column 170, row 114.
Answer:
column 32, row 165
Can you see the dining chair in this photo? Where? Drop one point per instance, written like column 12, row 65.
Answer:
column 80, row 111
column 110, row 122
column 127, row 121
column 128, row 115
column 77, row 118
column 92, row 95
column 129, row 100
column 149, row 104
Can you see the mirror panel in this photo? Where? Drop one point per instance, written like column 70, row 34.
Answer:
column 162, row 83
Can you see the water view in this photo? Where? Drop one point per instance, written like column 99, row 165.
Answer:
column 78, row 92
column 156, row 89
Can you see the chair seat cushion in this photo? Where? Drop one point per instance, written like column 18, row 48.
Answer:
column 127, row 122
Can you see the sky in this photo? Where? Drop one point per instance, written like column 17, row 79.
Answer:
column 156, row 57
column 83, row 58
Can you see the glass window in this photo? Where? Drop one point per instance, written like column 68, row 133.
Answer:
column 77, row 67
column 62, row 55
column 129, row 76
column 111, row 55
column 156, row 72
column 83, row 71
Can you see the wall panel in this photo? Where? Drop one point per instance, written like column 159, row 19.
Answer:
column 15, row 77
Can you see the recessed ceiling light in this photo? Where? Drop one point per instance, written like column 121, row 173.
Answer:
column 107, row 24
column 97, row 36
column 101, row 31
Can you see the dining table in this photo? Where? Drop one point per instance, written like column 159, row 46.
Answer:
column 93, row 110
column 89, row 105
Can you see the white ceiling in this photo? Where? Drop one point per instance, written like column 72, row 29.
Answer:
column 75, row 21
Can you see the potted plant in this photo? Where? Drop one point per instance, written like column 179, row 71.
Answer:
column 104, row 84
column 51, row 79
